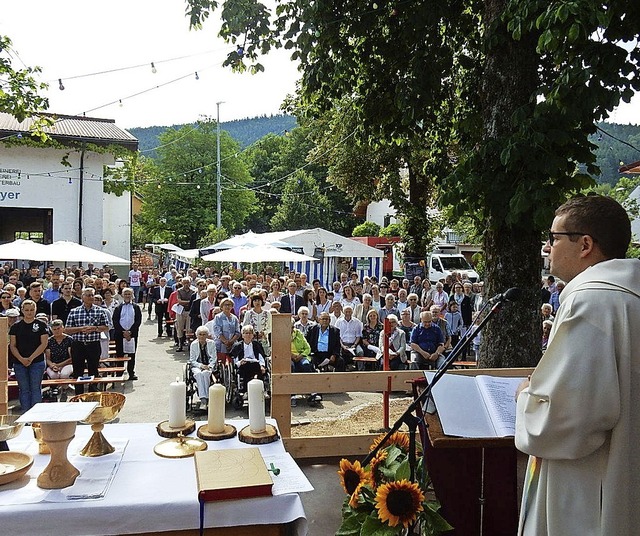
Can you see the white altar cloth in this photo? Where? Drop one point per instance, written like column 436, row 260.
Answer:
column 148, row 493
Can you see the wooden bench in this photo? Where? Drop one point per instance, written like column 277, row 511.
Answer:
column 367, row 362
column 114, row 359
column 102, row 381
column 464, row 365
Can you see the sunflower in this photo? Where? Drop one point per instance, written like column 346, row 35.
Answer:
column 399, row 439
column 376, row 477
column 399, row 502
column 352, row 476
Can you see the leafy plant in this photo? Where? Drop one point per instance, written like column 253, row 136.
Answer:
column 382, row 501
column 368, row 228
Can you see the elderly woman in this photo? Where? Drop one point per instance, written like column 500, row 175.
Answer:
column 397, row 346
column 248, row 356
column 362, row 310
column 303, row 323
column 225, row 328
column 371, row 334
column 202, row 360
column 28, row 342
column 260, row 320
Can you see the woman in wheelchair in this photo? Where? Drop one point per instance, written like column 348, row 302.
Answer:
column 203, row 360
column 248, row 356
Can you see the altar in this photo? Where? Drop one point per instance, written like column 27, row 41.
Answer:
column 148, row 494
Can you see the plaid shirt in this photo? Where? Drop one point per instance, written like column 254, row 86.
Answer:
column 81, row 316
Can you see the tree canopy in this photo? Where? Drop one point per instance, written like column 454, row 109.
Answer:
column 180, row 202
column 493, row 102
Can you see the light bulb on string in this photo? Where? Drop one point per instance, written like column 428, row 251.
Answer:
column 120, row 103
column 197, row 76
column 240, row 51
column 70, row 180
column 153, row 68
column 60, row 84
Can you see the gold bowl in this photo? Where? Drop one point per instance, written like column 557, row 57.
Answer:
column 13, row 465
column 109, row 405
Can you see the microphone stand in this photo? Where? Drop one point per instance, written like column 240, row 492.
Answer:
column 411, row 420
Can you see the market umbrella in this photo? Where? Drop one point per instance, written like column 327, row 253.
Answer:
column 24, row 250
column 64, row 251
column 248, row 239
column 254, row 253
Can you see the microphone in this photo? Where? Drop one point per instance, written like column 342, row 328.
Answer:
column 512, row 294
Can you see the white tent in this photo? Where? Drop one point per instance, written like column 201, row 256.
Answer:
column 253, row 253
column 64, row 251
column 24, row 250
column 321, row 244
column 249, row 238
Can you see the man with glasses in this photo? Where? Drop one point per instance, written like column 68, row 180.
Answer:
column 61, row 307
column 579, row 415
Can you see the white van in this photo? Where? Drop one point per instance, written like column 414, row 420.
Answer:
column 443, row 264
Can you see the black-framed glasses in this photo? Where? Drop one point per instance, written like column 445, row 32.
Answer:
column 552, row 235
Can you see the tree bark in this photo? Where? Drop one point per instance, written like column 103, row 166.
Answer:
column 512, row 249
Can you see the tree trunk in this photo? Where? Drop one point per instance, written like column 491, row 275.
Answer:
column 512, row 250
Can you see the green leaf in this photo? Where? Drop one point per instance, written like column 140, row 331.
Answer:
column 403, row 471
column 574, row 32
column 374, row 527
column 350, row 526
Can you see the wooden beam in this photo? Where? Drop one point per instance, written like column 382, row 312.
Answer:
column 281, row 363
column 329, row 446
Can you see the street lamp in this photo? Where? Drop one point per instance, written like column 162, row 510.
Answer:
column 219, row 191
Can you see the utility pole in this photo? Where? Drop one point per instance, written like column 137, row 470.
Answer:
column 219, row 191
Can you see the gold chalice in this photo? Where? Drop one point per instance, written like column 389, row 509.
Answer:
column 9, row 429
column 109, row 406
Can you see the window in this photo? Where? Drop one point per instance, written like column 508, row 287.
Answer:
column 29, row 235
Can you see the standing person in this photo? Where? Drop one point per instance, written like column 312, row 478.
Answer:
column 84, row 324
column 225, row 329
column 28, row 341
column 61, row 308
column 183, row 298
column 579, row 417
column 160, row 297
column 127, row 318
column 135, row 281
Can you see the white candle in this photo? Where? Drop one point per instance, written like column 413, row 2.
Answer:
column 217, row 393
column 257, row 421
column 177, row 404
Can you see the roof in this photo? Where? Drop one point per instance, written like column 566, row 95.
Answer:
column 308, row 239
column 630, row 169
column 71, row 128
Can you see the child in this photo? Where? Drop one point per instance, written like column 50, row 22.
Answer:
column 454, row 319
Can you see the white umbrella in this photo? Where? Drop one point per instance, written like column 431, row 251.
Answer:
column 24, row 250
column 64, row 251
column 251, row 254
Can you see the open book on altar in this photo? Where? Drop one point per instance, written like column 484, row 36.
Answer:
column 476, row 406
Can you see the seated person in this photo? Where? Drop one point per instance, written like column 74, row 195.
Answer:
column 300, row 351
column 248, row 355
column 427, row 342
column 58, row 352
column 350, row 335
column 397, row 346
column 202, row 360
column 324, row 341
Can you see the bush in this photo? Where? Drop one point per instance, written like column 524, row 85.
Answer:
column 393, row 229
column 368, row 228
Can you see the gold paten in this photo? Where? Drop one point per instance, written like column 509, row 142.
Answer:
column 109, row 406
column 179, row 447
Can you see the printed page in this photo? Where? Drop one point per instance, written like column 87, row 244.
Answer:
column 460, row 406
column 499, row 396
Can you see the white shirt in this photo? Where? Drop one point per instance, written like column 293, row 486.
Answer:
column 350, row 330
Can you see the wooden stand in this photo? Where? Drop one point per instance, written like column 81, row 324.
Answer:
column 164, row 430
column 59, row 473
column 475, row 479
column 268, row 436
column 228, row 433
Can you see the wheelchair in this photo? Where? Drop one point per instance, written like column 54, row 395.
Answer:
column 223, row 372
column 240, row 388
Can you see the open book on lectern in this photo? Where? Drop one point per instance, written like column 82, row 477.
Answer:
column 475, row 406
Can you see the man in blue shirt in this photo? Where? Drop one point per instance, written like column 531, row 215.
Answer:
column 427, row 342
column 324, row 340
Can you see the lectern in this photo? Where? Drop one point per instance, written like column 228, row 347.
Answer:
column 475, row 479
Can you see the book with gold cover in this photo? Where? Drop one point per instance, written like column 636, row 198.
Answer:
column 231, row 474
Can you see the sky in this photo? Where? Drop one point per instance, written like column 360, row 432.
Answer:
column 69, row 38
column 73, row 38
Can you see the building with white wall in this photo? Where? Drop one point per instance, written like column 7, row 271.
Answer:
column 55, row 192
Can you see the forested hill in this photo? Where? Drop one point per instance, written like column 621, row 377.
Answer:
column 613, row 151
column 245, row 131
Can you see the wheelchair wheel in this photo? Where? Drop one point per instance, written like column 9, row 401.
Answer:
column 187, row 377
column 238, row 401
column 228, row 381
